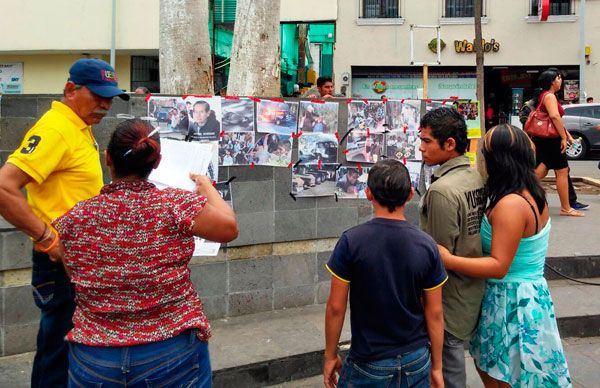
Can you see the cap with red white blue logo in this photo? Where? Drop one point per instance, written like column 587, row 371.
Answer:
column 98, row 76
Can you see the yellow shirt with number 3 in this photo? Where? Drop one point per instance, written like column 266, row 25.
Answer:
column 61, row 155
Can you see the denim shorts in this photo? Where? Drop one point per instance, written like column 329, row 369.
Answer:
column 181, row 361
column 408, row 370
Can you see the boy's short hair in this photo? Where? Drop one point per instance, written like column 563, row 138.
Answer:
column 321, row 80
column 447, row 123
column 389, row 182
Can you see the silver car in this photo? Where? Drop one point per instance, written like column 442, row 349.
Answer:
column 583, row 122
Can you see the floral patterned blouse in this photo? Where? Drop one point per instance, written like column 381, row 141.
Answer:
column 127, row 252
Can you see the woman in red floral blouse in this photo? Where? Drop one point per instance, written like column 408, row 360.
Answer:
column 139, row 319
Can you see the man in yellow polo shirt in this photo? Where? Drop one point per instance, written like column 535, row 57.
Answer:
column 58, row 163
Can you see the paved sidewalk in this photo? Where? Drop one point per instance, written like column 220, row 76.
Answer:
column 287, row 344
column 583, row 357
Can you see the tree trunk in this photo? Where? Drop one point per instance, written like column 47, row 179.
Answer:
column 302, row 35
column 184, row 47
column 255, row 55
column 480, row 77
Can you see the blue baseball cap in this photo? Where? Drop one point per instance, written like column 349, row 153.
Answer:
column 98, row 76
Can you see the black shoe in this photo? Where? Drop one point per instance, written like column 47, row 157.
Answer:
column 579, row 206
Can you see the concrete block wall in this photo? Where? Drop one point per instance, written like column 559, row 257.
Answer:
column 276, row 262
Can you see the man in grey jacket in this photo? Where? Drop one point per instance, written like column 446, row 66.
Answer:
column 451, row 212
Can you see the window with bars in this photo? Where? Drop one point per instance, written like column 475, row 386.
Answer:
column 557, row 7
column 459, row 8
column 384, row 9
column 144, row 72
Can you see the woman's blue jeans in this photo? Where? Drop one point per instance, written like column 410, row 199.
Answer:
column 408, row 370
column 181, row 361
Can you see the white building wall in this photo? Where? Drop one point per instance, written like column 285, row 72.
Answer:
column 48, row 35
column 523, row 42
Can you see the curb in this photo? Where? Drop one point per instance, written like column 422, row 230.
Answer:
column 573, row 266
column 270, row 372
column 300, row 366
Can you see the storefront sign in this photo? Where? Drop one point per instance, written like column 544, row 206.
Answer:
column 571, row 90
column 440, row 87
column 379, row 86
column 464, row 46
column 11, row 78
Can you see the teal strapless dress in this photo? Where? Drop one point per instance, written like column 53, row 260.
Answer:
column 517, row 340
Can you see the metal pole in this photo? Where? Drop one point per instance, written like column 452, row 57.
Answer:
column 113, row 33
column 581, row 51
column 425, row 80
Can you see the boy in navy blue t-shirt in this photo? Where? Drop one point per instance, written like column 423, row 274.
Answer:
column 394, row 275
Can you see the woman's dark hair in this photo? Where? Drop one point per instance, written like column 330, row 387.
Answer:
column 510, row 164
column 447, row 123
column 389, row 182
column 545, row 81
column 131, row 150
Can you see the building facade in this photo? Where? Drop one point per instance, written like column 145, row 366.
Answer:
column 40, row 39
column 371, row 42
column 373, row 49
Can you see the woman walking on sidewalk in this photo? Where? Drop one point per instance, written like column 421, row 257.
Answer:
column 550, row 153
column 516, row 342
column 138, row 318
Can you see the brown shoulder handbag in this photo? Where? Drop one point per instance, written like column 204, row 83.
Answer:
column 539, row 124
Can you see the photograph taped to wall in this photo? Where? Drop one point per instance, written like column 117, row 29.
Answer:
column 204, row 247
column 401, row 145
column 363, row 147
column 236, row 148
column 351, row 182
column 273, row 150
column 205, row 121
column 470, row 112
column 308, row 180
column 313, row 147
column 400, row 115
column 170, row 115
column 414, row 170
column 370, row 115
column 238, row 115
column 428, row 172
column 277, row 117
column 429, row 105
column 318, row 117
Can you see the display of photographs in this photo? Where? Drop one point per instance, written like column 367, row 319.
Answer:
column 364, row 147
column 370, row 115
column 205, row 119
column 318, row 117
column 351, row 182
column 470, row 112
column 238, row 115
column 170, row 115
column 414, row 170
column 277, row 117
column 235, row 149
column 313, row 147
column 308, row 180
column 401, row 145
column 401, row 115
column 272, row 150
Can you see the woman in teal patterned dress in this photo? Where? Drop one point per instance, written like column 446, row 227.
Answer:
column 516, row 343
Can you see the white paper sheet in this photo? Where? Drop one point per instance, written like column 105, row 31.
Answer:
column 179, row 158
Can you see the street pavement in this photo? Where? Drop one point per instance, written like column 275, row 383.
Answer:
column 241, row 342
column 583, row 358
